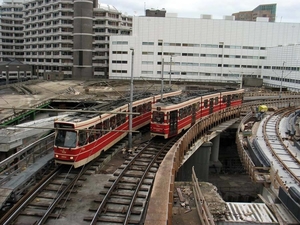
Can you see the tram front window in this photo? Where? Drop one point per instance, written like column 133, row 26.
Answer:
column 66, row 139
column 158, row 117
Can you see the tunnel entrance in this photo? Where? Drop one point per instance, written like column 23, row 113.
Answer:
column 232, row 182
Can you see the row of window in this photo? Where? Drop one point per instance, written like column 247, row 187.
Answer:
column 158, row 117
column 288, row 80
column 194, row 45
column 288, row 68
column 100, row 129
column 206, row 55
column 187, row 73
column 160, row 43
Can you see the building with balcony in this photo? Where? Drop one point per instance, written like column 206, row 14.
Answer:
column 11, row 22
column 65, row 36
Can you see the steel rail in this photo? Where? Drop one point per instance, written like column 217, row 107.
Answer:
column 144, row 176
column 278, row 112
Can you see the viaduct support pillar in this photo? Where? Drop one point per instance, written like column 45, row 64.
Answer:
column 200, row 160
column 215, row 164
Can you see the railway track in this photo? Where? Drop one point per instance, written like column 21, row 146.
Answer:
column 41, row 202
column 127, row 194
column 287, row 160
column 126, row 200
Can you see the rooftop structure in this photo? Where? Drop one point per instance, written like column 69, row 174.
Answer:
column 265, row 10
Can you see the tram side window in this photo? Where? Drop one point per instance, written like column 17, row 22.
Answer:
column 140, row 109
column 123, row 118
column 119, row 119
column 82, row 138
column 158, row 117
column 205, row 103
column 224, row 99
column 181, row 113
column 235, row 97
column 91, row 134
column 98, row 130
column 148, row 107
column 216, row 100
column 106, row 126
column 134, row 110
column 112, row 122
column 198, row 106
column 189, row 110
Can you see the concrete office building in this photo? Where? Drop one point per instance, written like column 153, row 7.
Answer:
column 197, row 49
column 265, row 11
column 282, row 67
column 11, row 22
column 65, row 36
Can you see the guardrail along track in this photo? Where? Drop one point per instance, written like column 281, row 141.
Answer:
column 126, row 199
column 277, row 146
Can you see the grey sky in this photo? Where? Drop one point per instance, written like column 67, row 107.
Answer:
column 287, row 10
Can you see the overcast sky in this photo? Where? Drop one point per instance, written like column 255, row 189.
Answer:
column 287, row 10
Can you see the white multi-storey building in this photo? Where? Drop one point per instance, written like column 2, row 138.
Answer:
column 197, row 49
column 282, row 66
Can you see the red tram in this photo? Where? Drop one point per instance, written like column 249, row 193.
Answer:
column 171, row 117
column 80, row 138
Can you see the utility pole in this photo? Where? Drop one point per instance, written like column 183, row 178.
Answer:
column 280, row 89
column 130, row 104
column 162, row 80
column 170, row 71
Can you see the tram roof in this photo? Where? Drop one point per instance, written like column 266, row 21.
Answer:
column 188, row 95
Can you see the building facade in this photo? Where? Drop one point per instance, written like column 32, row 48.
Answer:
column 265, row 10
column 11, row 22
column 65, row 36
column 282, row 67
column 205, row 50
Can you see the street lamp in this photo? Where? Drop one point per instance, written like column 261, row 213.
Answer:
column 280, row 89
column 170, row 71
column 18, row 67
column 7, row 76
column 241, row 84
column 162, row 80
column 131, row 100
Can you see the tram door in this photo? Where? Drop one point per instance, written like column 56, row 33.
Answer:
column 173, row 122
column 211, row 106
column 228, row 101
column 193, row 114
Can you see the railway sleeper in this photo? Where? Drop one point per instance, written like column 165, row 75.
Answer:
column 128, row 186
column 111, row 219
column 40, row 214
column 135, row 174
column 132, row 180
column 137, row 202
column 126, row 193
column 45, row 205
column 118, row 209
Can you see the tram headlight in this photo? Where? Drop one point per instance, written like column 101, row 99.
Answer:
column 71, row 157
column 56, row 156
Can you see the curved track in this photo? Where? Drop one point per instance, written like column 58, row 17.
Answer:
column 280, row 151
column 126, row 199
